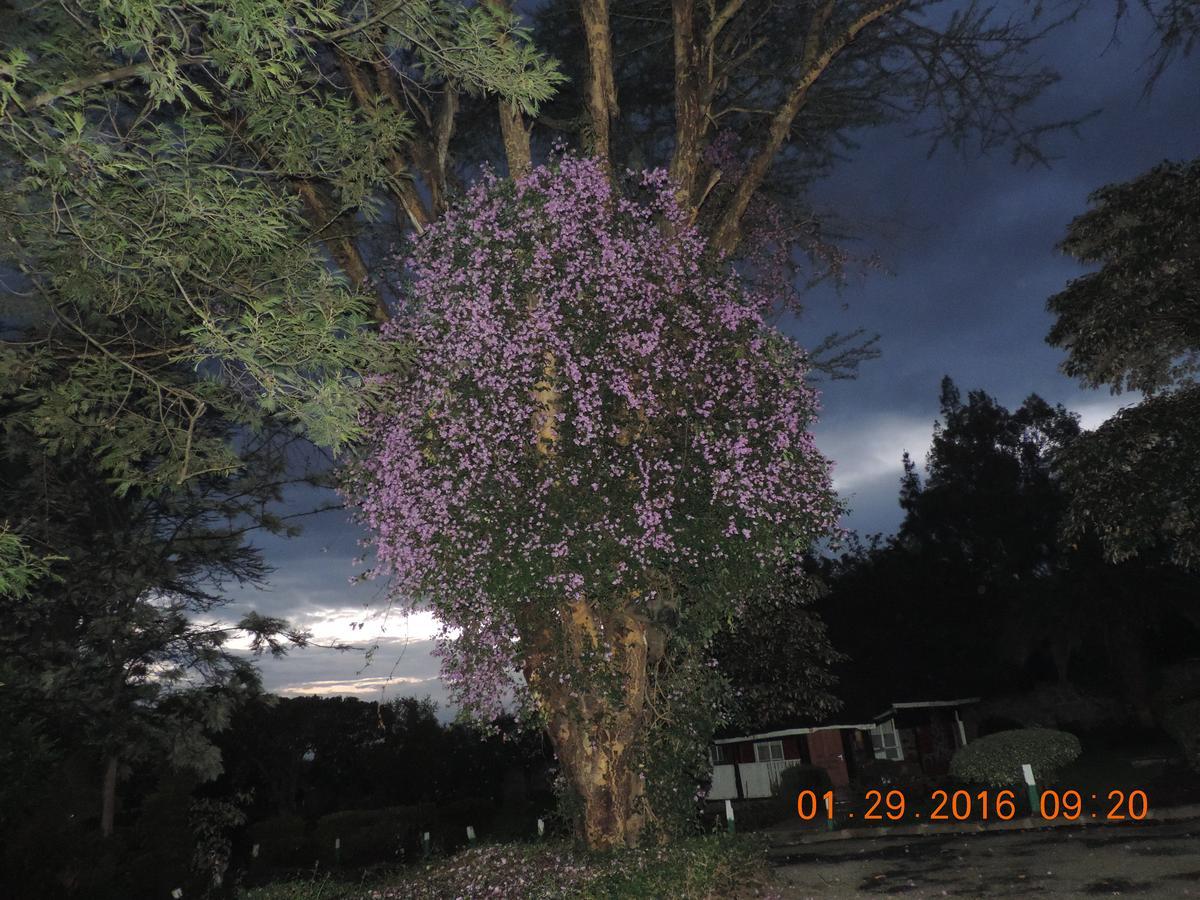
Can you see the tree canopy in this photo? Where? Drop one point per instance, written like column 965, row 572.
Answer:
column 1134, row 324
column 601, row 448
column 175, row 172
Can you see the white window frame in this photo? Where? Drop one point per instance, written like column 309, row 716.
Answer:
column 885, row 741
column 768, row 751
column 716, row 754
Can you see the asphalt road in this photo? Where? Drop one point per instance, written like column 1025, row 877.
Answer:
column 1148, row 860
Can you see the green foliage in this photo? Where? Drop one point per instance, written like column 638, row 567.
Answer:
column 155, row 157
column 996, row 760
column 777, row 657
column 1133, row 481
column 689, row 702
column 976, row 578
column 981, row 585
column 1133, row 325
column 213, row 821
column 19, row 569
column 113, row 657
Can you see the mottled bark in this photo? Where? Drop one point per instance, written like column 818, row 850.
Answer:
column 689, row 114
column 596, row 732
column 600, row 94
column 515, row 132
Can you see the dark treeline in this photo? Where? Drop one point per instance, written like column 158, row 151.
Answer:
column 982, row 592
column 297, row 775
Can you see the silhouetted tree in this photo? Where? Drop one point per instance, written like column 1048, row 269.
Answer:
column 978, row 591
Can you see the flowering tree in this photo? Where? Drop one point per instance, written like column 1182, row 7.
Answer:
column 600, row 449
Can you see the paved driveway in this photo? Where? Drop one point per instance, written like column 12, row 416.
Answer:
column 1150, row 860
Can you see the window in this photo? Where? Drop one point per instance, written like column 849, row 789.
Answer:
column 886, row 741
column 716, row 754
column 767, row 751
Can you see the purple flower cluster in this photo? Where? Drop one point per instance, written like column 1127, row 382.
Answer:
column 590, row 402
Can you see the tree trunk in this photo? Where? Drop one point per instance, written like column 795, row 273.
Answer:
column 691, row 110
column 608, row 787
column 108, row 797
column 596, row 733
column 600, row 90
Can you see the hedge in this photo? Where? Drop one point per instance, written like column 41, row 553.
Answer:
column 996, row 760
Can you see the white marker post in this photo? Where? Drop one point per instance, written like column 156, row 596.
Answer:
column 729, row 816
column 470, row 834
column 541, row 828
column 1035, row 800
column 337, row 850
column 425, row 843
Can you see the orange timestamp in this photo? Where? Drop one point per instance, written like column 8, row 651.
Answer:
column 963, row 805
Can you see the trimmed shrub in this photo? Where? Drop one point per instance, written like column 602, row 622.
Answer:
column 996, row 760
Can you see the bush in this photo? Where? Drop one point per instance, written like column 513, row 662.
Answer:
column 795, row 779
column 283, row 841
column 1178, row 708
column 996, row 760
column 369, row 835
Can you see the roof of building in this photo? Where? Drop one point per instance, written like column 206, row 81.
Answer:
column 867, row 725
column 788, row 732
column 923, row 704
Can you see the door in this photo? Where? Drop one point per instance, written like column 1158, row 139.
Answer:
column 826, row 750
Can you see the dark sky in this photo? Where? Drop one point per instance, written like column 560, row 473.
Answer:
column 969, row 245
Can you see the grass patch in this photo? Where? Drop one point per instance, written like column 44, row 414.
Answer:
column 694, row 869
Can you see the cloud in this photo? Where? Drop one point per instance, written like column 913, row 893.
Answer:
column 1094, row 413
column 867, row 450
column 871, row 446
column 364, row 687
column 379, row 667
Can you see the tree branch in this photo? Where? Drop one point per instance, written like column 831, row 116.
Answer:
column 815, row 63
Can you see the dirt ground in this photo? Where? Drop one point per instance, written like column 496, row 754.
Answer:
column 1158, row 860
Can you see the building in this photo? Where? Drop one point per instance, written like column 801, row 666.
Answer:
column 924, row 732
column 748, row 766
